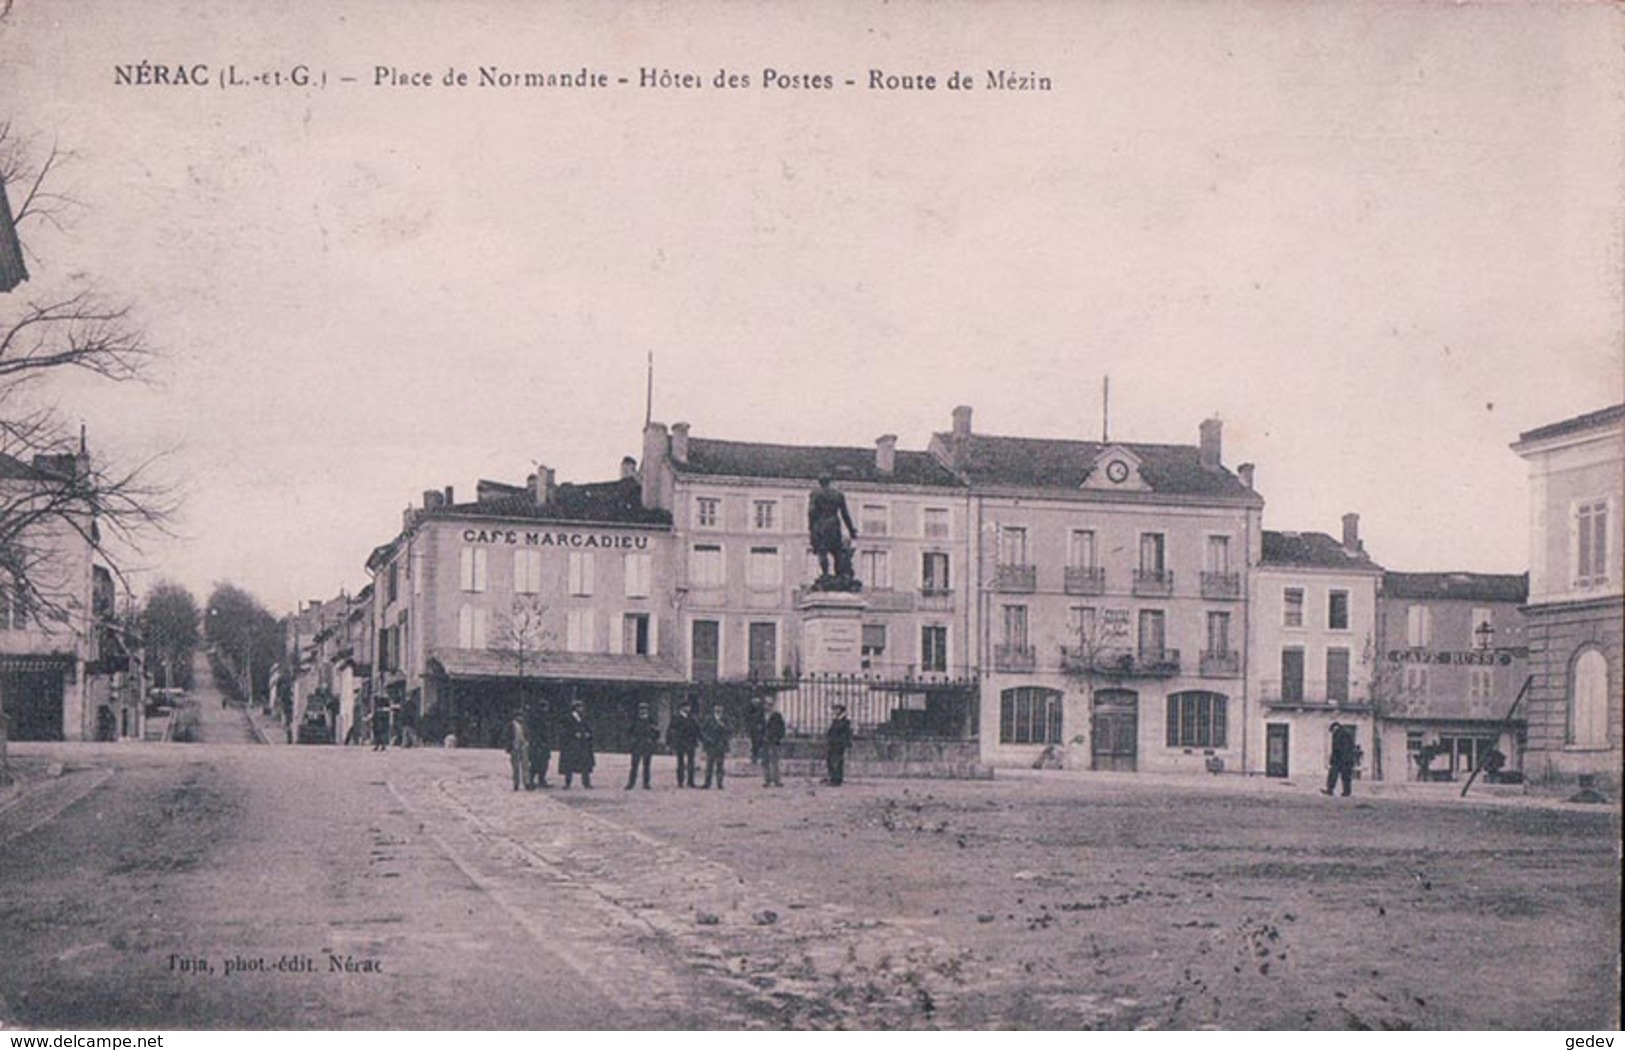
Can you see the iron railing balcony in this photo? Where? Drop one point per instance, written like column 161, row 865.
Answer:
column 1313, row 694
column 1017, row 658
column 1153, row 583
column 1220, row 663
column 1015, row 579
column 1221, row 585
column 1085, row 579
column 1120, row 663
column 936, row 599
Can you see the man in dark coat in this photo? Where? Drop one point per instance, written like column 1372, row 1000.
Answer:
column 838, row 740
column 575, row 746
column 772, row 743
column 380, row 727
column 1344, row 757
column 683, row 737
column 541, row 743
column 643, row 740
column 714, row 736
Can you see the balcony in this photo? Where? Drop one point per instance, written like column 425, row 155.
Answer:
column 1015, row 579
column 1085, row 579
column 1220, row 663
column 1309, row 694
column 1120, row 663
column 1015, row 658
column 935, row 600
column 1221, row 585
column 1153, row 583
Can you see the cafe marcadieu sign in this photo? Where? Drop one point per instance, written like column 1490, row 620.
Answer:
column 556, row 538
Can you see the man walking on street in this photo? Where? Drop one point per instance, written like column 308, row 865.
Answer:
column 1343, row 760
column 838, row 740
column 772, row 743
column 645, row 737
column 714, row 738
column 683, row 737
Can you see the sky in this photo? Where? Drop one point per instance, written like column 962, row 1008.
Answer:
column 1377, row 240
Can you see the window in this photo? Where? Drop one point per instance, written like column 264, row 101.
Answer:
column 1080, row 550
column 471, row 630
column 705, row 650
column 1418, row 626
column 394, row 580
column 1218, row 632
column 1292, row 675
column 1080, row 625
column 1416, row 680
column 1591, row 544
column 580, row 636
column 581, row 574
column 1337, row 610
column 707, row 512
column 874, row 569
column 764, row 570
column 1153, row 637
column 473, row 569
column 1015, row 626
column 1217, row 556
column 874, row 520
column 637, row 569
column 635, row 637
column 764, row 650
column 764, row 514
column 1030, row 715
column 1337, row 676
column 934, row 573
column 1480, row 683
column 1588, row 700
column 527, row 572
column 1292, row 606
column 1196, row 719
column 936, row 523
column 705, row 568
column 1152, row 554
column 934, row 649
column 13, row 613
column 1012, row 545
column 874, row 645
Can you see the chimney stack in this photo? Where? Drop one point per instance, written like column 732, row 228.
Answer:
column 886, row 453
column 961, row 422
column 1211, row 431
column 629, row 467
column 449, row 499
column 1246, row 473
column 541, row 486
column 679, row 442
column 655, row 468
column 533, row 483
column 431, row 499
column 1351, row 533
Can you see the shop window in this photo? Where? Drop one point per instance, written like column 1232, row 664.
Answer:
column 1196, row 719
column 1030, row 715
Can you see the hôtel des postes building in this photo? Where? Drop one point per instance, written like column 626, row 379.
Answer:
column 542, row 591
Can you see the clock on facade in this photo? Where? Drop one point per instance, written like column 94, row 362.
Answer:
column 1117, row 471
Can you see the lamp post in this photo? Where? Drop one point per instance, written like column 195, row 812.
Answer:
column 1484, row 635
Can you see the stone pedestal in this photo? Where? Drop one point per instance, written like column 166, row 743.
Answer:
column 831, row 632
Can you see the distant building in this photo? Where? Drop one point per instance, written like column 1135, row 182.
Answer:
column 1450, row 660
column 1576, row 609
column 1313, row 637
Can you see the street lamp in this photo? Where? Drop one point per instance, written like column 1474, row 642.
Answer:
column 1484, row 634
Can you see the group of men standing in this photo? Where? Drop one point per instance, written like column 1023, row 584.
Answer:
column 531, row 737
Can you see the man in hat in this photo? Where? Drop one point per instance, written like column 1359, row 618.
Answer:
column 575, row 746
column 838, row 740
column 644, row 739
column 714, row 736
column 683, row 737
column 1343, row 759
column 540, row 734
column 772, row 743
column 519, row 752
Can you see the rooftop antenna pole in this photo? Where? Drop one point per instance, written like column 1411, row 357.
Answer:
column 649, row 404
column 1105, row 410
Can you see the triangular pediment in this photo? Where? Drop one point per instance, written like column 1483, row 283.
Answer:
column 1116, row 469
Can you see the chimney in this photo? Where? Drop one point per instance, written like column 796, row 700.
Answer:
column 1246, row 472
column 533, row 484
column 449, row 499
column 541, row 485
column 629, row 467
column 961, row 422
column 1351, row 533
column 431, row 499
column 679, row 442
column 1211, row 430
column 886, row 453
column 655, row 467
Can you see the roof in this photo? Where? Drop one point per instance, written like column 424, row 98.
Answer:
column 1053, row 463
column 1312, row 550
column 1457, row 586
column 751, row 459
column 556, row 666
column 619, row 501
column 1591, row 420
column 44, row 468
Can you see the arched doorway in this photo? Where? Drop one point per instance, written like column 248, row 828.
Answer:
column 1115, row 730
column 1588, row 700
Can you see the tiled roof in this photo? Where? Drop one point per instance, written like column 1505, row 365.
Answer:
column 1457, row 586
column 44, row 467
column 750, row 459
column 1600, row 418
column 619, row 501
column 1054, row 463
column 1312, row 549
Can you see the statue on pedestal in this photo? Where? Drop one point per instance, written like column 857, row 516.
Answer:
column 826, row 512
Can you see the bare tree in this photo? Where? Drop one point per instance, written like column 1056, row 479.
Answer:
column 50, row 490
column 521, row 637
